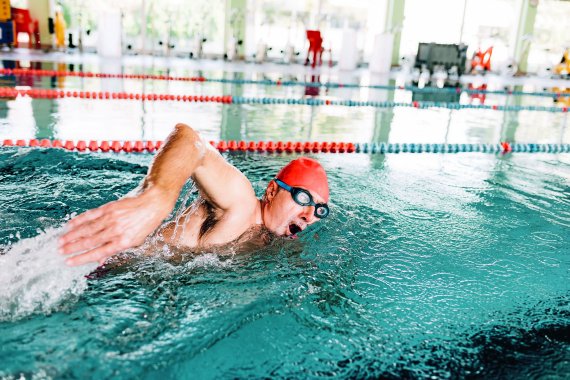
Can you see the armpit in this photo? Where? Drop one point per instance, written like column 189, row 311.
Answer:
column 209, row 221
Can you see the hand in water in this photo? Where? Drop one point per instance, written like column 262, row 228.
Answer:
column 102, row 232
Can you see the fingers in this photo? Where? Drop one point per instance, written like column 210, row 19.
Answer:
column 88, row 242
column 100, row 233
column 73, row 229
column 87, row 230
column 97, row 255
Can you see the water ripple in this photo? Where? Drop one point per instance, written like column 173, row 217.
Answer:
column 420, row 271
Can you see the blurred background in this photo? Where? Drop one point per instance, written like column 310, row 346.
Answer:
column 525, row 36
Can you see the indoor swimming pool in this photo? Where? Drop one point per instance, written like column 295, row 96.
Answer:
column 429, row 265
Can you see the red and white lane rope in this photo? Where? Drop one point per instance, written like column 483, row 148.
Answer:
column 87, row 74
column 37, row 93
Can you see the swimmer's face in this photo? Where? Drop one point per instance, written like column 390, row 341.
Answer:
column 283, row 216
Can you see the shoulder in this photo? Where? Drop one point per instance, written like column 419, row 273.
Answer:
column 243, row 210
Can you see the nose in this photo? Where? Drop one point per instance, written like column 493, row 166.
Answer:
column 308, row 214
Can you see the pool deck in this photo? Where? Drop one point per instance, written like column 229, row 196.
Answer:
column 173, row 62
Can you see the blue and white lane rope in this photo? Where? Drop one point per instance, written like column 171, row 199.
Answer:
column 383, row 148
column 390, row 104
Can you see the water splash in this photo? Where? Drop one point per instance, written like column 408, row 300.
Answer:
column 185, row 208
column 35, row 279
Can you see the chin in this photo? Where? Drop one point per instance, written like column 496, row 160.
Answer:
column 279, row 231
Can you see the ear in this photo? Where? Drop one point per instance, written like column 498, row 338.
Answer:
column 271, row 191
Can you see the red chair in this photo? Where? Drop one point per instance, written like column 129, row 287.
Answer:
column 315, row 47
column 26, row 24
column 482, row 60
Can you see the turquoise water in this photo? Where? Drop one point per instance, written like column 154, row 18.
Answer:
column 432, row 265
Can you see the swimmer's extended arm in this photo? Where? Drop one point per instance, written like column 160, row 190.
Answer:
column 125, row 223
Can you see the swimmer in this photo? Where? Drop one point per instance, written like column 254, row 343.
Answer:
column 227, row 210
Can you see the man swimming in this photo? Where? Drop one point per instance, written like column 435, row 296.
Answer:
column 227, row 209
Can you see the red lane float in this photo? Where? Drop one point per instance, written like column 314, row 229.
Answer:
column 506, row 147
column 139, row 146
column 81, row 146
column 93, row 146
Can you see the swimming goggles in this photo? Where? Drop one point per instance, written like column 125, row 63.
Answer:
column 303, row 198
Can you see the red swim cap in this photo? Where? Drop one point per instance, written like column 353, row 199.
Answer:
column 306, row 173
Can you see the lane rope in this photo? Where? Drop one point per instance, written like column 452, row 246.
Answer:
column 37, row 93
column 140, row 146
column 269, row 82
column 9, row 92
column 391, row 104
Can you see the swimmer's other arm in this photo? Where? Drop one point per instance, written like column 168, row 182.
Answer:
column 125, row 223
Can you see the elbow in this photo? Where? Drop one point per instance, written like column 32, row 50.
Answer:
column 184, row 130
column 192, row 139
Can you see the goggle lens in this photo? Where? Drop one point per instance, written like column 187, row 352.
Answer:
column 303, row 198
column 321, row 211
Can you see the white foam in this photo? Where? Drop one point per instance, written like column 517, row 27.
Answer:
column 34, row 277
column 208, row 260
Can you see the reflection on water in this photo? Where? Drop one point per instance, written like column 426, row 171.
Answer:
column 128, row 119
column 443, row 96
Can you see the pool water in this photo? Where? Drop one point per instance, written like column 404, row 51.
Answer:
column 446, row 266
column 430, row 265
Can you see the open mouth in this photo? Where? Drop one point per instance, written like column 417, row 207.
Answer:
column 294, row 229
